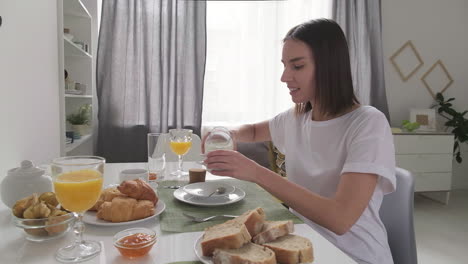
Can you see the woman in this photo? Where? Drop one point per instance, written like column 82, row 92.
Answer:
column 339, row 154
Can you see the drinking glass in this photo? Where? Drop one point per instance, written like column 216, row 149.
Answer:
column 157, row 143
column 218, row 138
column 181, row 142
column 78, row 183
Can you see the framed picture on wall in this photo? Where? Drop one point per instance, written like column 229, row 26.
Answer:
column 406, row 60
column 425, row 117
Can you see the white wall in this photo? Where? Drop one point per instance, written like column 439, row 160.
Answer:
column 29, row 101
column 438, row 30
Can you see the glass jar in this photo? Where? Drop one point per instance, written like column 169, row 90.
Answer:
column 219, row 138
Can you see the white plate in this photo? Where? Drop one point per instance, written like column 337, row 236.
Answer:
column 204, row 189
column 199, row 252
column 90, row 217
column 233, row 197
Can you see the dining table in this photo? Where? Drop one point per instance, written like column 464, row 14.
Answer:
column 176, row 235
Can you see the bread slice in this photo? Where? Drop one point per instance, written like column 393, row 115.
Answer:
column 230, row 234
column 253, row 220
column 250, row 253
column 292, row 249
column 272, row 230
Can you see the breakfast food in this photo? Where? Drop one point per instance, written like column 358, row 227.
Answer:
column 131, row 200
column 21, row 205
column 229, row 235
column 232, row 242
column 135, row 245
column 42, row 210
column 107, row 195
column 271, row 230
column 49, row 198
column 292, row 249
column 253, row 220
column 123, row 209
column 139, row 190
column 249, row 253
column 51, row 222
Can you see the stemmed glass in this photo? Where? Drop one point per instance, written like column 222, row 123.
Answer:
column 78, row 183
column 181, row 142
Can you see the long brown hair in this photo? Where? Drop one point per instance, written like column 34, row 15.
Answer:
column 334, row 84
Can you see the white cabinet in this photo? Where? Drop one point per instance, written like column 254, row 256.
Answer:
column 429, row 157
column 76, row 58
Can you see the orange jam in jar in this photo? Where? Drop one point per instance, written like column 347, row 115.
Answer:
column 135, row 245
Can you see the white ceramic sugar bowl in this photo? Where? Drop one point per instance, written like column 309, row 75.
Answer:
column 24, row 181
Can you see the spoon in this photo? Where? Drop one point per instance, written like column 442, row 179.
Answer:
column 172, row 187
column 219, row 190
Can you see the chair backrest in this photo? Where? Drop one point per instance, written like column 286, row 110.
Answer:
column 192, row 155
column 396, row 213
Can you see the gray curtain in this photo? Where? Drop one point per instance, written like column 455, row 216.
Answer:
column 150, row 69
column 362, row 24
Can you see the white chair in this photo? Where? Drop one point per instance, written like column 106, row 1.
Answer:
column 396, row 213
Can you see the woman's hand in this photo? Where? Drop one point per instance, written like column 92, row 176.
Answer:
column 232, row 163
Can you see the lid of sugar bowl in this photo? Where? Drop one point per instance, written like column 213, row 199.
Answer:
column 26, row 169
column 24, row 181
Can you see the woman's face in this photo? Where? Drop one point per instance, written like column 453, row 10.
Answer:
column 299, row 71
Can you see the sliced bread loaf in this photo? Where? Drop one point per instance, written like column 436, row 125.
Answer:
column 250, row 253
column 230, row 234
column 292, row 249
column 272, row 230
column 253, row 220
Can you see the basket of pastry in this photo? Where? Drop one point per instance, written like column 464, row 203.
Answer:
column 41, row 217
column 250, row 238
column 131, row 200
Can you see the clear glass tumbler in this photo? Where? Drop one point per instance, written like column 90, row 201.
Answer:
column 157, row 145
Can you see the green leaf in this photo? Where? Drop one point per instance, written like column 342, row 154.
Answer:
column 455, row 146
column 439, row 97
column 455, row 120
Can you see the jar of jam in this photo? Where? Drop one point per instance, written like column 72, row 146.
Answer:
column 135, row 242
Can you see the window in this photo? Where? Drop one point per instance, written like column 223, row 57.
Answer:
column 243, row 69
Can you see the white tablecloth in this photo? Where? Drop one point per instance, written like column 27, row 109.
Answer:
column 170, row 247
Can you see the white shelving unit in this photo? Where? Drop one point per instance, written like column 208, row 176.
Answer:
column 78, row 62
column 77, row 142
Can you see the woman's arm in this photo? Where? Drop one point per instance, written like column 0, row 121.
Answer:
column 252, row 132
column 338, row 213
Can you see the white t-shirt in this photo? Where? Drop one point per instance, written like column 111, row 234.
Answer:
column 319, row 152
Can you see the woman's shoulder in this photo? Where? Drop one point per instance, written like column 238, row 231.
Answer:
column 369, row 113
column 286, row 114
column 368, row 120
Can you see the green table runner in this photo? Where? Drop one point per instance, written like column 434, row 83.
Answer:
column 172, row 220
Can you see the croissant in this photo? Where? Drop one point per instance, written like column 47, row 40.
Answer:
column 106, row 196
column 123, row 209
column 139, row 190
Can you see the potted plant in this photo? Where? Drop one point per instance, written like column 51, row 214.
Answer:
column 81, row 119
column 455, row 120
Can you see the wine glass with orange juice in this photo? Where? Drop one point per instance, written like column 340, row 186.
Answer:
column 78, row 183
column 181, row 142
